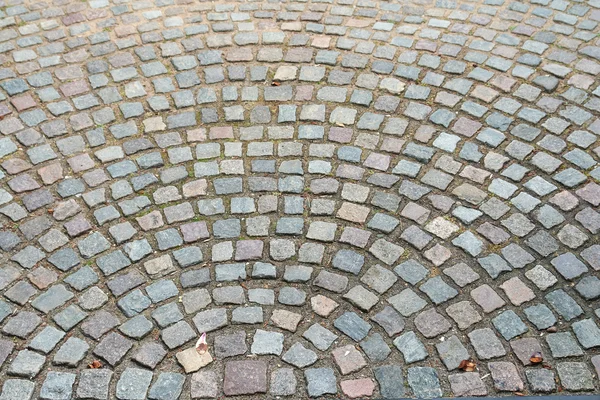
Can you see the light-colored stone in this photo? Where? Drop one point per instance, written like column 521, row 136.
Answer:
column 192, row 361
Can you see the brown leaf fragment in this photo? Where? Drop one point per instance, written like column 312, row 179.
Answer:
column 95, row 364
column 536, row 358
column 467, row 365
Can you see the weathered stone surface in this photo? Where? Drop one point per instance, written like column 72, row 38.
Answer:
column 423, row 173
column 245, row 377
column 192, row 361
column 320, row 381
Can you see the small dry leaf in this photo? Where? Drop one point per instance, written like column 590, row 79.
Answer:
column 201, row 346
column 275, row 84
column 536, row 358
column 467, row 365
column 95, row 364
column 519, row 394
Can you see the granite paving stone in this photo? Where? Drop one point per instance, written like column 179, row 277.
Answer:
column 540, row 380
column 424, row 382
column 575, row 376
column 245, row 377
column 525, row 348
column 452, row 352
column 26, row 364
column 133, row 383
column 563, row 344
column 505, row 376
column 411, row 347
column 320, row 381
column 94, row 383
column 57, row 385
column 467, row 384
column 283, row 382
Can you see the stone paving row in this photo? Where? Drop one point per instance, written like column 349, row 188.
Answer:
column 349, row 197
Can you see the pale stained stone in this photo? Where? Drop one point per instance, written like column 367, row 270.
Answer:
column 487, row 298
column 286, row 73
column 192, row 361
column 467, row 384
column 517, row 291
column 154, row 124
column 150, row 221
column 441, row 227
column 348, row 359
column 286, row 320
column 323, row 305
column 195, row 188
column 541, row 277
column 159, row 266
column 469, row 193
column 438, row 254
column 415, row 212
column 353, row 212
column 51, row 173
column 358, row 388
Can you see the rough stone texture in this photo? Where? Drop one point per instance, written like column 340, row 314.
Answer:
column 357, row 388
column 191, row 360
column 391, row 381
column 94, row 383
column 348, row 359
column 320, row 381
column 245, row 377
column 467, row 384
column 283, row 382
column 424, row 382
column 349, row 188
column 505, row 376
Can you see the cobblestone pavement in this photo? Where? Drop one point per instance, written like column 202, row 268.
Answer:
column 352, row 198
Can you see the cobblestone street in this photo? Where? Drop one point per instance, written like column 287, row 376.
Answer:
column 351, row 198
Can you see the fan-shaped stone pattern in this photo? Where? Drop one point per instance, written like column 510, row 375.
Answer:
column 349, row 197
